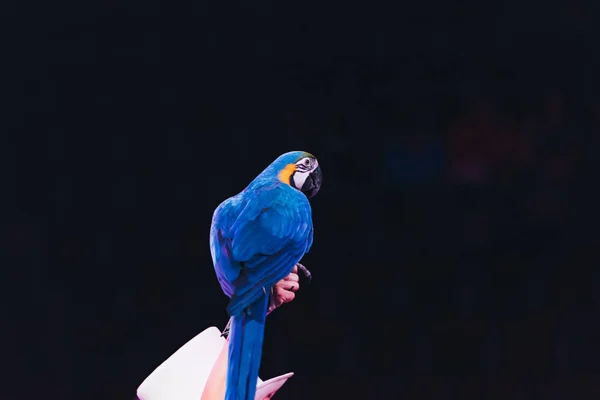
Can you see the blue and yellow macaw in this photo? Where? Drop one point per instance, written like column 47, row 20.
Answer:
column 256, row 239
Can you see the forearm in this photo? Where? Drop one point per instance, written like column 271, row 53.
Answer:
column 215, row 385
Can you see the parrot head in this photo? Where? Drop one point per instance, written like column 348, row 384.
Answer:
column 300, row 170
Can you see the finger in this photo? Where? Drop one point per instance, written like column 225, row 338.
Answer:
column 287, row 285
column 295, row 270
column 292, row 277
column 286, row 297
column 275, row 303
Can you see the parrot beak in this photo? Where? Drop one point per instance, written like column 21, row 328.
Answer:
column 312, row 184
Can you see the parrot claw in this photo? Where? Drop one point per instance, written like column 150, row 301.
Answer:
column 304, row 270
column 225, row 332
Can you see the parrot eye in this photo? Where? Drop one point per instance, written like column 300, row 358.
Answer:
column 307, row 162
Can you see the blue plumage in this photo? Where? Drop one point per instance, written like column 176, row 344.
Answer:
column 256, row 239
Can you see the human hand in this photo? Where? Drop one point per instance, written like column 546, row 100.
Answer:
column 284, row 291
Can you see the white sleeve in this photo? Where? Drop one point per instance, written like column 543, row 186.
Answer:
column 183, row 375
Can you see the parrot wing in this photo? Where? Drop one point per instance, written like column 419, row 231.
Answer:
column 226, row 268
column 269, row 236
column 310, row 240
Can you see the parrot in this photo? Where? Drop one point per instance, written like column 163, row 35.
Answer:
column 256, row 239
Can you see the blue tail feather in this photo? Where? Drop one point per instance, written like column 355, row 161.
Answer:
column 245, row 350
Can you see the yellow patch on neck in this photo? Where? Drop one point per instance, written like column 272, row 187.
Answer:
column 286, row 173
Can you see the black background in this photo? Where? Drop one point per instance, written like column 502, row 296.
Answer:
column 454, row 231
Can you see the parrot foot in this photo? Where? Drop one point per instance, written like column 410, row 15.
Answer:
column 304, row 270
column 225, row 332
